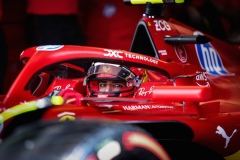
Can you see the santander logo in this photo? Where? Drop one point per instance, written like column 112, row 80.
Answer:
column 181, row 52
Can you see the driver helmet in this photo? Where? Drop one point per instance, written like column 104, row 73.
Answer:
column 112, row 80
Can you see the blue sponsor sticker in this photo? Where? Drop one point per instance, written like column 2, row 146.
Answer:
column 49, row 47
column 209, row 59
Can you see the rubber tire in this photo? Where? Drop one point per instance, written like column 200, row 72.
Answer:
column 81, row 139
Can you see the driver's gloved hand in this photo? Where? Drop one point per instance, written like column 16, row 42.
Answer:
column 70, row 96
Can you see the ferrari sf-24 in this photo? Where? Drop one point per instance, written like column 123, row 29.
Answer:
column 177, row 96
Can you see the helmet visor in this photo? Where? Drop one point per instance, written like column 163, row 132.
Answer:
column 109, row 71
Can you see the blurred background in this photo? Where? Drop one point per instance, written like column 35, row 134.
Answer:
column 99, row 23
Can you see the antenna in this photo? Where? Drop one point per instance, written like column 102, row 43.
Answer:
column 154, row 10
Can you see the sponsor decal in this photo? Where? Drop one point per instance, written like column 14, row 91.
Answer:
column 181, row 52
column 65, row 116
column 65, row 113
column 60, row 87
column 222, row 132
column 144, row 107
column 140, row 57
column 49, row 47
column 142, row 91
column 209, row 59
column 120, row 54
column 162, row 52
column 161, row 25
column 107, row 69
column 201, row 79
column 113, row 53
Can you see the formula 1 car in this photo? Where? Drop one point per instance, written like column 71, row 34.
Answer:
column 187, row 106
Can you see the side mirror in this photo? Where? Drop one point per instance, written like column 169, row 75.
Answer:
column 181, row 93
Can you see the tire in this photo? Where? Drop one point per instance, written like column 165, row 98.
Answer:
column 83, row 140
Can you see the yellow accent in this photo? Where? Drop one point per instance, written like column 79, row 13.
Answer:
column 144, row 1
column 234, row 156
column 107, row 69
column 18, row 109
column 149, row 24
column 179, row 1
column 145, row 78
column 66, row 118
column 57, row 100
column 152, row 1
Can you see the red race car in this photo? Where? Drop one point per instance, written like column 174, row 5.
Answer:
column 174, row 95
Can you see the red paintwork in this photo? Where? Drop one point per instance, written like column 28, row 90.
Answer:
column 205, row 108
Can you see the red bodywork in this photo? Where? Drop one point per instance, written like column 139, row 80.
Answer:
column 193, row 84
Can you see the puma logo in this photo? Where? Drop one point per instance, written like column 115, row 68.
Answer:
column 222, row 132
